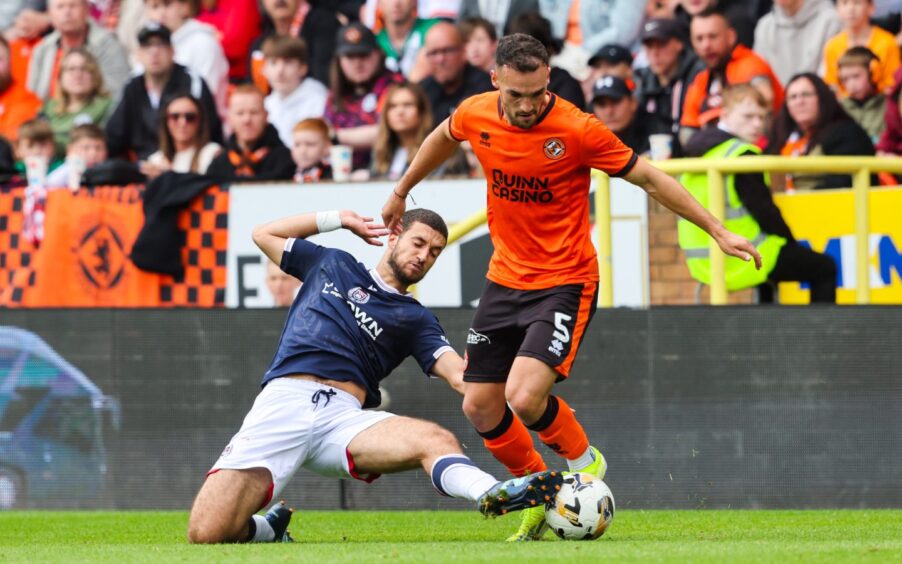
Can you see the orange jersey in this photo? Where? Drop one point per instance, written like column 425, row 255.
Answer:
column 538, row 188
column 882, row 43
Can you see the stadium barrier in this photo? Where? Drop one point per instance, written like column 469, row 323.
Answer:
column 730, row 407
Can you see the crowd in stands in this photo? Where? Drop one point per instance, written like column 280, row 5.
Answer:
column 258, row 90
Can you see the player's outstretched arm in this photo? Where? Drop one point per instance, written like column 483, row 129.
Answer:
column 271, row 237
column 671, row 194
column 435, row 150
column 450, row 367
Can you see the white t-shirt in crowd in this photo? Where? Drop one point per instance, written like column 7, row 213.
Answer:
column 307, row 101
column 181, row 161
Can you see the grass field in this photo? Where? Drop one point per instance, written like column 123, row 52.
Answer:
column 331, row 536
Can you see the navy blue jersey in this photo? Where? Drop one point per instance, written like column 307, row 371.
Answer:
column 346, row 324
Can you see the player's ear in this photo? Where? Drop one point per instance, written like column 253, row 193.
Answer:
column 393, row 240
column 494, row 76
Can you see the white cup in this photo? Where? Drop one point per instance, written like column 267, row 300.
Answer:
column 340, row 159
column 36, row 170
column 76, row 166
column 661, row 146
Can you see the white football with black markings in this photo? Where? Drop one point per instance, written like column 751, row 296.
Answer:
column 582, row 510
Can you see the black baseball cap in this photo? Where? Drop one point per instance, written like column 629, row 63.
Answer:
column 355, row 39
column 612, row 53
column 662, row 29
column 151, row 30
column 610, row 87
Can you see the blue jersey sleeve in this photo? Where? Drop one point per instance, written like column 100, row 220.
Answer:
column 430, row 342
column 299, row 256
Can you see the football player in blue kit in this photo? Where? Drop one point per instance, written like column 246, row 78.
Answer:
column 348, row 328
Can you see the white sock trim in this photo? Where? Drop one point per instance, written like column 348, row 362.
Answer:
column 583, row 461
column 264, row 531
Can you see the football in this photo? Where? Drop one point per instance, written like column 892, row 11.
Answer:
column 582, row 510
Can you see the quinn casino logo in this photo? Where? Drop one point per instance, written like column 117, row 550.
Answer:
column 554, row 148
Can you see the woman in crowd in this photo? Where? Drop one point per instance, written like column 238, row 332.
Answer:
column 359, row 81
column 812, row 122
column 80, row 98
column 405, row 122
column 185, row 144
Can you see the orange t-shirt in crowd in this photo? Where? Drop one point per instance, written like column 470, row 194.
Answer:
column 538, row 188
column 17, row 105
column 703, row 97
column 882, row 43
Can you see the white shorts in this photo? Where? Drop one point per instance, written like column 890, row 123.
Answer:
column 296, row 423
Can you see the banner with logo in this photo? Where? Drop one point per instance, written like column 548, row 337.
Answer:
column 825, row 222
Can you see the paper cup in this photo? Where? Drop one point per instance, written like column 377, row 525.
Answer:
column 36, row 170
column 340, row 159
column 661, row 146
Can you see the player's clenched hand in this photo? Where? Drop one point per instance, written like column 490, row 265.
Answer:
column 737, row 246
column 363, row 227
column 392, row 212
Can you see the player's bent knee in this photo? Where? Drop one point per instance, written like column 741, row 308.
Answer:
column 440, row 440
column 205, row 531
column 528, row 407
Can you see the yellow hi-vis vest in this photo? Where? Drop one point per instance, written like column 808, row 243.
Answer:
column 694, row 241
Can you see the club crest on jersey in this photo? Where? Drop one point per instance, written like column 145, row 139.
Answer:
column 358, row 295
column 554, row 148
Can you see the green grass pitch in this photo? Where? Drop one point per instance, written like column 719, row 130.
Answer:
column 446, row 536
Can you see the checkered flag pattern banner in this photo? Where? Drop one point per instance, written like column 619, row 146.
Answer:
column 16, row 251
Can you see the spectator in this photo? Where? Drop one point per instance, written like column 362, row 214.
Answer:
column 452, row 78
column 74, row 28
column 295, row 96
column 792, row 36
column 31, row 20
column 237, row 22
column 316, row 25
column 561, row 82
column 500, row 14
column 726, row 62
column 80, row 96
column 402, row 37
column 890, row 143
column 750, row 208
column 282, row 286
column 811, row 122
column 254, row 151
column 661, row 86
column 17, row 105
column 35, row 139
column 310, row 149
column 185, row 144
column 857, row 31
column 610, row 60
column 864, row 101
column 196, row 44
column 371, row 13
column 358, row 85
column 614, row 105
column 585, row 26
column 135, row 124
column 743, row 15
column 480, row 41
column 87, row 148
column 403, row 126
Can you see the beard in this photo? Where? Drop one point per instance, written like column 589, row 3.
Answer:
column 399, row 273
column 5, row 81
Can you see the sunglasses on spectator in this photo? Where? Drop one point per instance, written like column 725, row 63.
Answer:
column 189, row 117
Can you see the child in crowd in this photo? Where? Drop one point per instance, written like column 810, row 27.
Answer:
column 309, row 149
column 863, row 100
column 295, row 96
column 36, row 140
column 480, row 42
column 858, row 32
column 87, row 148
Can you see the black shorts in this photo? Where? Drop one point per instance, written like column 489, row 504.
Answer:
column 544, row 324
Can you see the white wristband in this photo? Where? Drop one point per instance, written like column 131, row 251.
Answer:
column 328, row 221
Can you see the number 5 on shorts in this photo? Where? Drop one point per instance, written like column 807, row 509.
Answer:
column 561, row 333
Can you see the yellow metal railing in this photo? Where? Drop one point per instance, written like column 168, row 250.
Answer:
column 859, row 167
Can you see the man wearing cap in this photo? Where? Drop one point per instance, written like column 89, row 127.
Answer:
column 661, row 86
column 356, row 91
column 72, row 27
column 134, row 127
column 610, row 60
column 614, row 104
